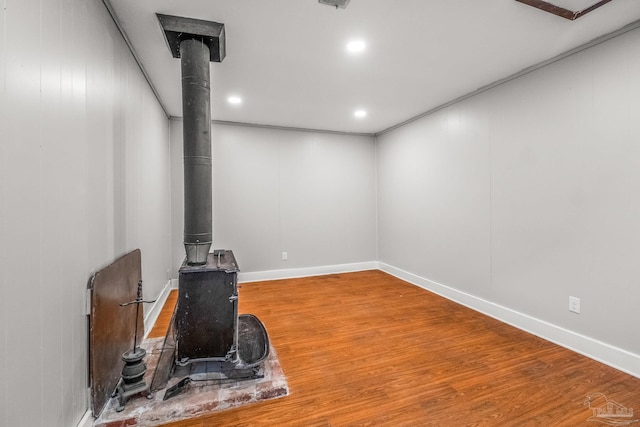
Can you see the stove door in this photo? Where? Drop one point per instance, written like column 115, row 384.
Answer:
column 207, row 315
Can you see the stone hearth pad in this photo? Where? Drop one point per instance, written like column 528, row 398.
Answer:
column 197, row 400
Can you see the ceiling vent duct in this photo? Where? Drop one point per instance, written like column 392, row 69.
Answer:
column 342, row 4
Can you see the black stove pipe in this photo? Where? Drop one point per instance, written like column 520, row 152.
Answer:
column 196, row 113
column 196, row 43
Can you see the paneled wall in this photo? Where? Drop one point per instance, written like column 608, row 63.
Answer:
column 309, row 194
column 84, row 178
column 527, row 194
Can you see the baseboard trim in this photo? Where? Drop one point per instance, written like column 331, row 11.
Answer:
column 615, row 357
column 156, row 308
column 260, row 276
column 86, row 420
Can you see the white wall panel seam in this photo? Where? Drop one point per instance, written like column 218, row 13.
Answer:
column 40, row 224
column 4, row 391
column 377, row 197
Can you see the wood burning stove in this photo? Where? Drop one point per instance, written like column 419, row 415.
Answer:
column 212, row 342
column 208, row 327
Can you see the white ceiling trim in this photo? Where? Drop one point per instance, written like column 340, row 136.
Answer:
column 430, row 65
column 114, row 17
column 595, row 42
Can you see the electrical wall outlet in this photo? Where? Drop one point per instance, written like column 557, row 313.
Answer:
column 285, row 256
column 574, row 304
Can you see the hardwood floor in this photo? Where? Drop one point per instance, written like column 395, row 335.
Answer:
column 366, row 348
column 162, row 323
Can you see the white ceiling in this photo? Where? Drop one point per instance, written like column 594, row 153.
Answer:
column 287, row 58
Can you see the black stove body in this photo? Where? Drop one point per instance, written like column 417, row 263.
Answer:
column 211, row 337
column 207, row 316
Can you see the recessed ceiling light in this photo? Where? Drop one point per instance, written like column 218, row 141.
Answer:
column 356, row 46
column 235, row 100
column 360, row 114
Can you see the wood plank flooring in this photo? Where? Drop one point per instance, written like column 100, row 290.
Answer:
column 364, row 349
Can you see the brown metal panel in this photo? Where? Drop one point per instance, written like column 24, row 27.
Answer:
column 111, row 326
column 591, row 8
column 561, row 11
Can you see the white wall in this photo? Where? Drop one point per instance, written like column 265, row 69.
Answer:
column 84, row 173
column 528, row 193
column 309, row 194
